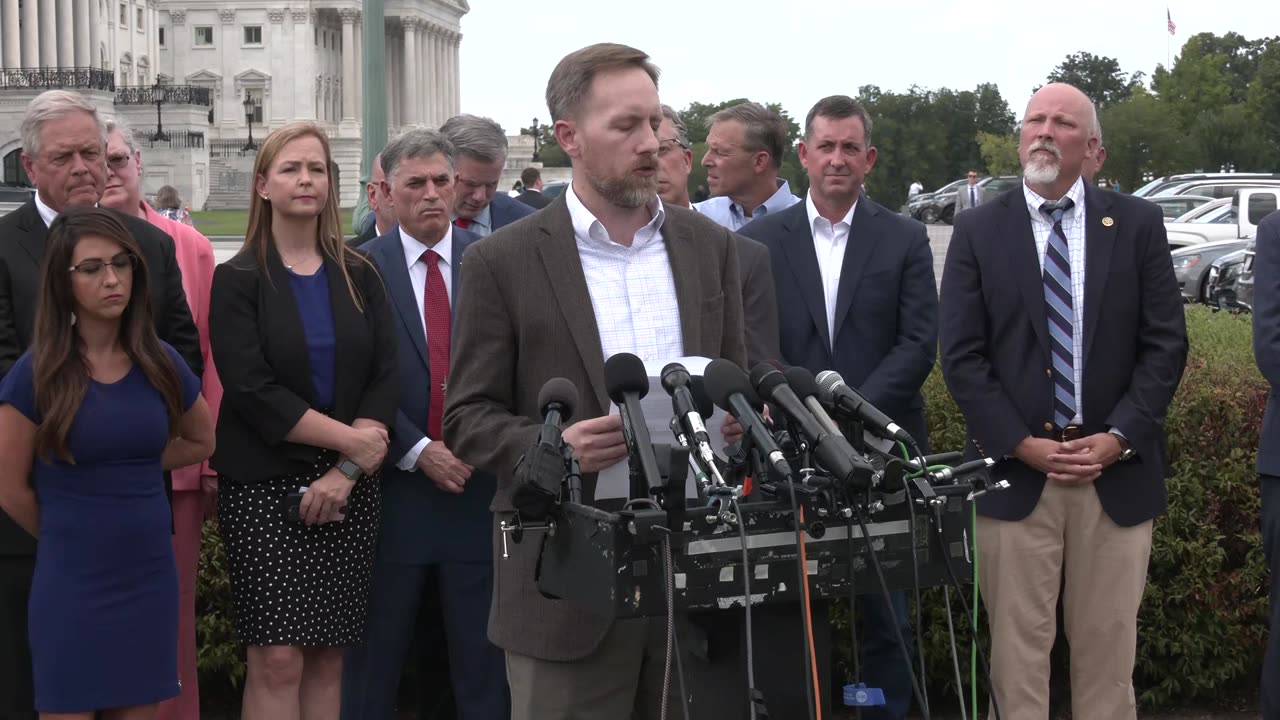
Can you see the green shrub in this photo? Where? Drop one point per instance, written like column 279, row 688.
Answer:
column 1204, row 617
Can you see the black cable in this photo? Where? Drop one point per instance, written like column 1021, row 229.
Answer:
column 754, row 695
column 915, row 576
column 673, row 645
column 893, row 616
column 806, row 634
column 973, row 624
column 853, row 619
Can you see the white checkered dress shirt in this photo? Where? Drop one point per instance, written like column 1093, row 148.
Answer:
column 1073, row 224
column 633, row 292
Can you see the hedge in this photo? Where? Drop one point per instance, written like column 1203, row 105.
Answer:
column 1203, row 622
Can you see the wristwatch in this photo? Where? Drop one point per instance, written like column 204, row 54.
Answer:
column 350, row 469
column 1126, row 450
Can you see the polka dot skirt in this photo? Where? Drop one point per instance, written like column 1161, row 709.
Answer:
column 293, row 584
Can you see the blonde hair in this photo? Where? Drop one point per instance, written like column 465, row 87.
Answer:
column 329, row 230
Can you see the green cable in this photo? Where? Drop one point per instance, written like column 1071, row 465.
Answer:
column 973, row 646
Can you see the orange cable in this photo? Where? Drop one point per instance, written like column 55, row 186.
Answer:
column 808, row 619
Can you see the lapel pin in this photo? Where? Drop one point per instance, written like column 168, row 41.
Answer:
column 1107, row 221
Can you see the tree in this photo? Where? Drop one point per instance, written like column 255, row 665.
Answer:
column 1000, row 153
column 1211, row 72
column 1264, row 101
column 1097, row 76
column 1143, row 136
column 550, row 154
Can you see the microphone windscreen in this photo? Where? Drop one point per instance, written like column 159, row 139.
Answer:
column 558, row 390
column 701, row 400
column 765, row 378
column 675, row 375
column 722, row 379
column 802, row 381
column 828, row 380
column 625, row 373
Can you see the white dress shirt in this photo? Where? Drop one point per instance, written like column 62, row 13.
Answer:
column 633, row 292
column 829, row 243
column 413, row 250
column 47, row 214
column 1073, row 225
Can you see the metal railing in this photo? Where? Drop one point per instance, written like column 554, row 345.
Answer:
column 175, row 140
column 231, row 148
column 48, row 78
column 169, row 95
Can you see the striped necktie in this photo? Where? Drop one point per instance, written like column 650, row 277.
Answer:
column 1059, row 304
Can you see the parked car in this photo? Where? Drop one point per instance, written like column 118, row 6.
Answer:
column 916, row 206
column 1191, row 265
column 1211, row 222
column 1161, row 183
column 13, row 197
column 1231, row 286
column 1223, row 187
column 1175, row 206
column 1221, row 284
column 942, row 206
column 553, row 190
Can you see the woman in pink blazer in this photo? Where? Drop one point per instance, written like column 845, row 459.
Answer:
column 193, row 487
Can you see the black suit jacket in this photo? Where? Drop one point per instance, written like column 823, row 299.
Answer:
column 22, row 245
column 886, row 325
column 995, row 345
column 365, row 236
column 1266, row 336
column 260, row 348
column 534, row 199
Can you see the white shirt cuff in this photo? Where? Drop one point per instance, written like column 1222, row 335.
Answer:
column 410, row 459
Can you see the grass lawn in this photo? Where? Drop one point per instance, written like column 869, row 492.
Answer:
column 233, row 222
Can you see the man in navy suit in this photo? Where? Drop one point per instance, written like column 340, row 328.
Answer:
column 435, row 509
column 1266, row 350
column 481, row 153
column 1063, row 342
column 856, row 294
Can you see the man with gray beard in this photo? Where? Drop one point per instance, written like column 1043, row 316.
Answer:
column 1063, row 342
column 606, row 268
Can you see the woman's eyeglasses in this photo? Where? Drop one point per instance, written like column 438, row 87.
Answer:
column 121, row 264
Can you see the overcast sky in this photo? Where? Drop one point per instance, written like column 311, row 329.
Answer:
column 797, row 51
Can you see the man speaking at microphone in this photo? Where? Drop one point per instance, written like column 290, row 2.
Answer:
column 605, row 268
column 856, row 294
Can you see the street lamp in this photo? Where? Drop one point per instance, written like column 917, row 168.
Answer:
column 249, row 107
column 158, row 93
column 536, row 132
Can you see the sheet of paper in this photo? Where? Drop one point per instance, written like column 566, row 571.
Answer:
column 614, row 482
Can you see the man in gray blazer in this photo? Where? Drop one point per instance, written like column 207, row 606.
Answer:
column 606, row 268
column 970, row 195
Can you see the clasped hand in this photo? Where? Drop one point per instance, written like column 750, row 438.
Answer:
column 1075, row 462
column 325, row 499
column 367, row 447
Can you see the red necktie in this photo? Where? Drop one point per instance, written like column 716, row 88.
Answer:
column 435, row 310
column 462, row 223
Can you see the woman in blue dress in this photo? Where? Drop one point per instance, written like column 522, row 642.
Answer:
column 90, row 418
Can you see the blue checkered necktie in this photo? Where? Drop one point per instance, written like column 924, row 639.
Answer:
column 1060, row 304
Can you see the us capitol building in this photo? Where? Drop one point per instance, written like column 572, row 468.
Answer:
column 197, row 79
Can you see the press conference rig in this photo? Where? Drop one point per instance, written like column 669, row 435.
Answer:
column 824, row 497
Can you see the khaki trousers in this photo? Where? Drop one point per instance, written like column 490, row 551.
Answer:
column 1020, row 566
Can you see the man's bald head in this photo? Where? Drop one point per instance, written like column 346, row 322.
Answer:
column 1059, row 134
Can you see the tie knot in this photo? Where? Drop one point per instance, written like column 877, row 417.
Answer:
column 1056, row 210
column 430, row 257
column 463, row 223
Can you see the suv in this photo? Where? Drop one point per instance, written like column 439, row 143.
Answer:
column 1219, row 187
column 13, row 197
column 1159, row 185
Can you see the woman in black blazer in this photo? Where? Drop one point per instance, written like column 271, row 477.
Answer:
column 302, row 337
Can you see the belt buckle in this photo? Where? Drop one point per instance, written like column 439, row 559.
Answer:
column 1071, row 432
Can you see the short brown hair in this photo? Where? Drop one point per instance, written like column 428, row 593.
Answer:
column 765, row 129
column 839, row 107
column 571, row 80
column 530, row 176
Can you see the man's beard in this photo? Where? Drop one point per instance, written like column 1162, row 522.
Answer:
column 1042, row 171
column 628, row 191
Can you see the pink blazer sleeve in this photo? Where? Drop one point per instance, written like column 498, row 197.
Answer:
column 196, row 261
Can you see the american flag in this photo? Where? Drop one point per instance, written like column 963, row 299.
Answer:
column 1172, row 28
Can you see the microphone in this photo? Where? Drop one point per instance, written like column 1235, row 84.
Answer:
column 677, row 382
column 542, row 468
column 729, row 388
column 627, row 382
column 830, row 449
column 806, row 388
column 847, row 400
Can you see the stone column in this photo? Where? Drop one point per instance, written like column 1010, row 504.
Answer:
column 420, row 62
column 391, row 60
column 30, row 35
column 81, row 16
column 455, row 71
column 359, row 53
column 95, row 33
column 437, row 69
column 12, row 37
column 409, row 102
column 66, row 34
column 348, row 16
column 303, row 34
column 233, row 120
column 48, row 33
column 429, row 76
